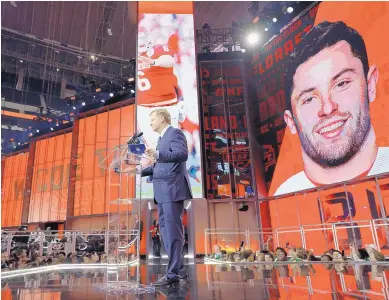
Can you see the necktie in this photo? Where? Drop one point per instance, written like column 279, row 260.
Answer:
column 159, row 139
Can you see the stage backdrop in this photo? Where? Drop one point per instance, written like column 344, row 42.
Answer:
column 50, row 179
column 166, row 35
column 227, row 161
column 320, row 115
column 99, row 133
column 12, row 189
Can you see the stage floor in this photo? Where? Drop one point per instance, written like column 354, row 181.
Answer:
column 214, row 282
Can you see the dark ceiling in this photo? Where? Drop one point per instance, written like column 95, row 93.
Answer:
column 84, row 24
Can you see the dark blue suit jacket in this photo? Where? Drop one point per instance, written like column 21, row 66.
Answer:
column 170, row 177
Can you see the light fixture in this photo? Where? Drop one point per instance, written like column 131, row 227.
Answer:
column 243, row 50
column 111, row 94
column 37, row 130
column 102, row 100
column 266, row 29
column 57, row 124
column 57, row 69
column 132, row 91
column 109, row 30
column 92, row 57
column 51, row 128
column 253, row 38
column 83, row 103
column 123, row 87
column 74, row 108
column 19, row 143
column 131, row 79
column 289, row 9
column 21, row 61
column 274, row 20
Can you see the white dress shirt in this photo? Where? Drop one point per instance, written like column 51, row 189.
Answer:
column 161, row 135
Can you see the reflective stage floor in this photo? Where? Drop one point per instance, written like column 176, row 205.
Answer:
column 214, row 282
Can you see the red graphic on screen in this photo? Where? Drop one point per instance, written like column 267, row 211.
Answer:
column 157, row 82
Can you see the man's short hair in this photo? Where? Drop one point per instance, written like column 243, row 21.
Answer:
column 324, row 35
column 163, row 113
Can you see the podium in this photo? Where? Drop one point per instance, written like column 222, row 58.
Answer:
column 123, row 232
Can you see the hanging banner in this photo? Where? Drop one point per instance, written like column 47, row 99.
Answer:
column 228, row 163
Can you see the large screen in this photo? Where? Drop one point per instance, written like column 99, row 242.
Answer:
column 166, row 36
column 323, row 92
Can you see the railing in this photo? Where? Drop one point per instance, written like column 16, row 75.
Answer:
column 68, row 241
column 234, row 237
column 255, row 239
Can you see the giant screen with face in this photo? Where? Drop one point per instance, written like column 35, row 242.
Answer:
column 166, row 38
column 320, row 118
column 323, row 93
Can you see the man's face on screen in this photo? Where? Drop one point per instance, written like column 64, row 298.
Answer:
column 330, row 105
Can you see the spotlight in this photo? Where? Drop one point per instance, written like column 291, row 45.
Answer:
column 74, row 108
column 123, row 87
column 243, row 50
column 37, row 130
column 83, row 103
column 266, row 29
column 253, row 38
column 289, row 9
column 19, row 143
column 57, row 70
column 57, row 124
column 51, row 128
column 111, row 94
column 131, row 79
column 102, row 101
column 92, row 57
column 274, row 20
column 132, row 91
column 21, row 61
column 14, row 146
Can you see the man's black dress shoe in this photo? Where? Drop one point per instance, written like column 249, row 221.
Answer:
column 164, row 281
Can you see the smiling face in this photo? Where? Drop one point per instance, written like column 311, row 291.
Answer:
column 330, row 104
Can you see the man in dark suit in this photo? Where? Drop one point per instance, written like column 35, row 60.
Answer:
column 171, row 187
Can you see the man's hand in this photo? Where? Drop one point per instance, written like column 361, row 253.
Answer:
column 146, row 60
column 151, row 153
column 146, row 162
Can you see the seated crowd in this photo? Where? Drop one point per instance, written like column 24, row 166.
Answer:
column 25, row 247
column 294, row 254
column 19, row 259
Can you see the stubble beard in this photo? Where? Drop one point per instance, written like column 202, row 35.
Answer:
column 331, row 156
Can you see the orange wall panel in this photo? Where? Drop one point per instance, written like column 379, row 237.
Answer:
column 49, row 192
column 12, row 189
column 98, row 136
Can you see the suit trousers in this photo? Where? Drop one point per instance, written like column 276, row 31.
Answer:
column 172, row 231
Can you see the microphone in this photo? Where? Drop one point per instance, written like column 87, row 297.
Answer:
column 134, row 139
